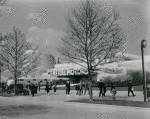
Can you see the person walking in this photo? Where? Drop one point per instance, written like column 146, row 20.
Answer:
column 81, row 88
column 77, row 89
column 39, row 85
column 130, row 88
column 86, row 87
column 32, row 89
column 114, row 92
column 47, row 88
column 67, row 87
column 35, row 89
column 104, row 89
column 112, row 84
column 3, row 88
column 55, row 88
column 100, row 86
column 50, row 86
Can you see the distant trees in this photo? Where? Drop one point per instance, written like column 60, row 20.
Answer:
column 19, row 56
column 90, row 36
column 122, row 80
column 136, row 78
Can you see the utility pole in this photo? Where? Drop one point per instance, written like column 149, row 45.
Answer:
column 143, row 45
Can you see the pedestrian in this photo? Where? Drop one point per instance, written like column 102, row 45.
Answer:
column 55, row 88
column 47, row 88
column 86, row 87
column 3, row 88
column 67, row 87
column 39, row 85
column 130, row 88
column 103, row 89
column 29, row 86
column 32, row 89
column 100, row 86
column 50, row 86
column 77, row 89
column 35, row 89
column 81, row 88
column 114, row 92
column 112, row 84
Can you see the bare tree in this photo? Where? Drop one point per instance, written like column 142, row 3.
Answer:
column 90, row 36
column 33, row 62
column 18, row 55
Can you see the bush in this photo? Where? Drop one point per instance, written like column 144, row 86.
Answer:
column 136, row 78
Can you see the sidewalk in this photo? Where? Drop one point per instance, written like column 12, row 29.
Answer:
column 121, row 95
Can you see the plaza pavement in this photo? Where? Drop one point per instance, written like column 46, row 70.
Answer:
column 60, row 109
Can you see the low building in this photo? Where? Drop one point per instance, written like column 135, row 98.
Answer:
column 76, row 72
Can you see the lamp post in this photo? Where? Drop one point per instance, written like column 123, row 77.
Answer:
column 143, row 45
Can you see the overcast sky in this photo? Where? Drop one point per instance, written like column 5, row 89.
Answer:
column 43, row 21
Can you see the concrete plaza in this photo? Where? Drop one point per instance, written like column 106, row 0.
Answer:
column 58, row 108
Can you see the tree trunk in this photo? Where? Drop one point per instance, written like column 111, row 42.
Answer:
column 90, row 88
column 15, row 86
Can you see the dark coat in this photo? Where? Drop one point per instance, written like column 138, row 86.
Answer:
column 47, row 87
column 32, row 87
column 104, row 87
column 112, row 84
column 129, row 86
column 68, row 86
column 35, row 89
column 100, row 85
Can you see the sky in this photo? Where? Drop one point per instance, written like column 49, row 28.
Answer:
column 43, row 21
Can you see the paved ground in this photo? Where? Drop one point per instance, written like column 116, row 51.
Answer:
column 52, row 106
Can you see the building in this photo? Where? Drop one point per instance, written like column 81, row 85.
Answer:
column 127, row 64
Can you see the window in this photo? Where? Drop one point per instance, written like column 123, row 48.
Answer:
column 21, row 79
column 34, row 79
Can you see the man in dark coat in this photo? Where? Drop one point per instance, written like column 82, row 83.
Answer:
column 32, row 89
column 100, row 86
column 130, row 89
column 35, row 89
column 67, row 87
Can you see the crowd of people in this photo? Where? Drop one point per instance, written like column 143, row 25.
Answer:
column 81, row 88
column 102, row 88
column 48, row 87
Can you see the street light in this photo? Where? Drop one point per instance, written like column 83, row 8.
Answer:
column 143, row 45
